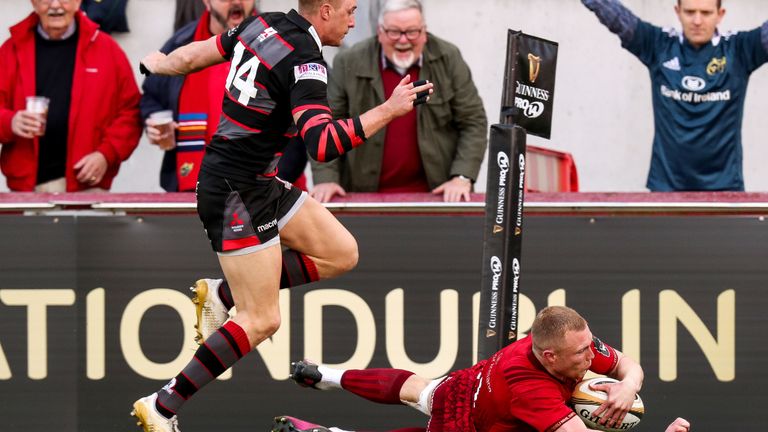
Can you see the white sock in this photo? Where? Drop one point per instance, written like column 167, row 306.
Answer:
column 335, row 429
column 331, row 378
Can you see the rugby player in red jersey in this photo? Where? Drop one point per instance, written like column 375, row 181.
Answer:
column 525, row 386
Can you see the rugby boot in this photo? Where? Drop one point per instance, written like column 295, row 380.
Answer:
column 149, row 419
column 305, row 374
column 292, row 424
column 210, row 310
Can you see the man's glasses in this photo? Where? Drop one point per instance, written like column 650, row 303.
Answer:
column 395, row 34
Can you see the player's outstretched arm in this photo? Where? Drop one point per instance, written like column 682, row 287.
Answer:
column 326, row 139
column 400, row 103
column 184, row 59
column 614, row 15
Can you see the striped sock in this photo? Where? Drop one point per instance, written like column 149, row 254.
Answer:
column 220, row 351
column 377, row 385
column 298, row 269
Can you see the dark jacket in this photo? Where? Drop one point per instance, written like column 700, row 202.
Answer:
column 452, row 126
column 162, row 93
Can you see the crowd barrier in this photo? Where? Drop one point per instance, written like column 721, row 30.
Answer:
column 94, row 311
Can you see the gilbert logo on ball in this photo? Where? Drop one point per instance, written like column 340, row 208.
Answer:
column 585, row 401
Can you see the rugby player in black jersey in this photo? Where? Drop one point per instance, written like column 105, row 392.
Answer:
column 276, row 88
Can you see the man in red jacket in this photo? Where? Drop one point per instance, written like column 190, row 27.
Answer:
column 93, row 118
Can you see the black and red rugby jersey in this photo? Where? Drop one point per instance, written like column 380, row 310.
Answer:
column 276, row 68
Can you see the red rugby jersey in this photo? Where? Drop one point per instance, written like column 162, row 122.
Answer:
column 516, row 393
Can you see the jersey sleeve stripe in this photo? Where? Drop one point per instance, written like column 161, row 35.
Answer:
column 220, row 47
column 335, row 137
column 561, row 422
column 309, row 107
column 322, row 144
column 314, row 121
column 349, row 128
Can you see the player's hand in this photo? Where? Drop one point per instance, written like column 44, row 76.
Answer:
column 679, row 425
column 454, row 190
column 325, row 192
column 91, row 168
column 405, row 94
column 152, row 60
column 620, row 397
column 26, row 124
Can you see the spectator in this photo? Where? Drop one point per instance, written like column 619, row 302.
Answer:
column 194, row 99
column 438, row 147
column 525, row 386
column 699, row 81
column 186, row 12
column 93, row 121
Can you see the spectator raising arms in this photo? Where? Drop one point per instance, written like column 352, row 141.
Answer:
column 699, row 82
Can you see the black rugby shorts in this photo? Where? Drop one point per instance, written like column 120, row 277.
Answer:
column 241, row 218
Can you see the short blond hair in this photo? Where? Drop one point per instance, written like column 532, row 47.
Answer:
column 551, row 325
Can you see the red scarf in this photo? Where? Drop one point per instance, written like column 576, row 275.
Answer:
column 199, row 112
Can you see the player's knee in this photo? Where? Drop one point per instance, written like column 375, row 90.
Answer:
column 348, row 257
column 259, row 326
column 270, row 325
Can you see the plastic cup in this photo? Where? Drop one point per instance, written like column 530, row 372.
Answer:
column 163, row 121
column 39, row 105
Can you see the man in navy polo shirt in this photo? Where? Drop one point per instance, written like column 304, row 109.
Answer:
column 699, row 81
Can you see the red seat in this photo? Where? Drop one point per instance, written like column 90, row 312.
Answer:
column 550, row 171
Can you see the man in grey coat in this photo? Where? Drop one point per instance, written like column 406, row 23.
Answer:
column 439, row 147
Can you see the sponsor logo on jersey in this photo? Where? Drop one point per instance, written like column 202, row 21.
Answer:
column 600, row 346
column 313, row 71
column 673, row 64
column 716, row 66
column 693, row 83
column 534, row 67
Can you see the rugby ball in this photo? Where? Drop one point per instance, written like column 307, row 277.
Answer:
column 585, row 401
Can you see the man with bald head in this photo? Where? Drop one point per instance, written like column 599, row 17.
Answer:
column 436, row 148
column 699, row 80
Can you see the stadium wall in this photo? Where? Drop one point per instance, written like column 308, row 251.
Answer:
column 94, row 313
